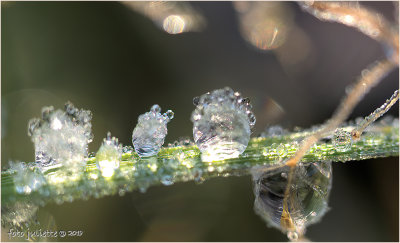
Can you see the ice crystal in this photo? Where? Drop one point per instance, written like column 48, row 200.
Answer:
column 149, row 134
column 61, row 137
column 222, row 123
column 109, row 156
column 306, row 200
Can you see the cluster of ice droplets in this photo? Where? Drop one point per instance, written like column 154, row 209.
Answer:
column 26, row 179
column 61, row 137
column 306, row 200
column 109, row 156
column 222, row 123
column 342, row 140
column 149, row 134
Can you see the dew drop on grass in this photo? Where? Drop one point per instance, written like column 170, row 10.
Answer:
column 109, row 156
column 26, row 180
column 222, row 123
column 167, row 180
column 61, row 137
column 149, row 134
column 342, row 140
column 307, row 197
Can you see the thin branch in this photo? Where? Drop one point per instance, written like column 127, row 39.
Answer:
column 368, row 80
column 354, row 15
column 356, row 133
column 183, row 163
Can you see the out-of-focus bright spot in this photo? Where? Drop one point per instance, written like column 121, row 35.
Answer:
column 268, row 35
column 153, row 167
column 348, row 19
column 222, row 152
column 93, row 176
column 172, row 17
column 265, row 25
column 296, row 54
column 174, row 24
column 56, row 124
column 107, row 168
column 272, row 112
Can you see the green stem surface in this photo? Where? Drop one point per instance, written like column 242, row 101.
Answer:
column 183, row 163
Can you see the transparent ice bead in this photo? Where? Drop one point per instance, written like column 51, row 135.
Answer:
column 149, row 134
column 26, row 180
column 109, row 156
column 307, row 198
column 222, row 123
column 342, row 140
column 61, row 137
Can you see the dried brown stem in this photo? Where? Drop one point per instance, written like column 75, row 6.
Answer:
column 356, row 133
column 365, row 20
column 367, row 80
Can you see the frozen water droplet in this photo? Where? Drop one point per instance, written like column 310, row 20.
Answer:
column 61, row 139
column 167, row 180
column 196, row 101
column 127, row 149
column 121, row 192
column 149, row 134
column 281, row 150
column 307, row 198
column 46, row 111
column 26, row 180
column 198, row 175
column 221, row 125
column 169, row 114
column 274, row 131
column 70, row 109
column 342, row 140
column 33, row 125
column 292, row 235
column 246, row 101
column 108, row 156
column 155, row 108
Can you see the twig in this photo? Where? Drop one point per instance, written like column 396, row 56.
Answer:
column 362, row 86
column 356, row 133
column 183, row 163
column 365, row 20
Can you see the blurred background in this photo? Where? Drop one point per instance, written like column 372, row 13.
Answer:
column 118, row 59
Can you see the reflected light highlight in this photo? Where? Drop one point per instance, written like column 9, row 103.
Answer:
column 265, row 25
column 174, row 24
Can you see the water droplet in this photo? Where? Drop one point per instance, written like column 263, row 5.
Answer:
column 342, row 140
column 307, row 198
column 109, row 156
column 274, row 131
column 127, row 149
column 169, row 114
column 61, row 138
column 198, row 175
column 121, row 192
column 149, row 134
column 281, row 150
column 221, row 125
column 46, row 111
column 33, row 125
column 196, row 101
column 155, row 108
column 167, row 180
column 26, row 180
column 292, row 235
